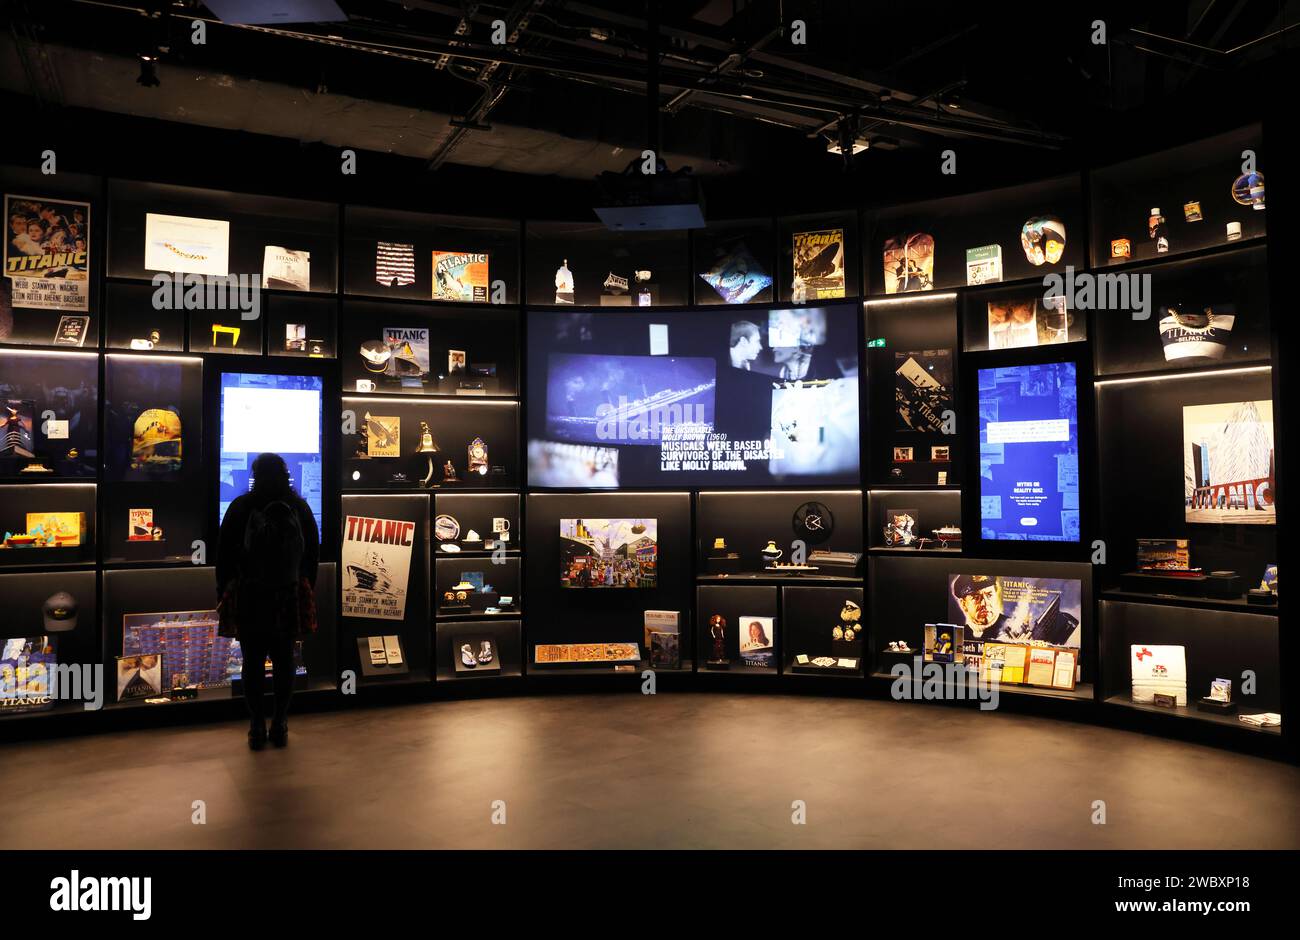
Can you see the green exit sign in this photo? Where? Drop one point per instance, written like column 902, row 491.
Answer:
column 876, row 343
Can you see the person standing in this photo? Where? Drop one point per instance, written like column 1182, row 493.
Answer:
column 267, row 556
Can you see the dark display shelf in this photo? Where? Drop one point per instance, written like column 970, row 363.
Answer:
column 1237, row 605
column 776, row 580
column 1191, row 712
column 1082, row 692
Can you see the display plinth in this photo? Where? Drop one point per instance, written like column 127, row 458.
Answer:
column 371, row 670
column 1219, row 587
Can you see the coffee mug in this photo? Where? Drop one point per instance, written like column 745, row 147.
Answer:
column 500, row 524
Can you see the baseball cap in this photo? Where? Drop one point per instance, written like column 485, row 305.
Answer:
column 967, row 584
column 60, row 612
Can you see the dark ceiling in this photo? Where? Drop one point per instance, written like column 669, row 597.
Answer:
column 738, row 97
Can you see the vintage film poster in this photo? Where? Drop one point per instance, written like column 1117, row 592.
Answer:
column 819, row 264
column 460, row 276
column 922, row 389
column 909, row 263
column 1228, row 463
column 376, row 560
column 47, row 252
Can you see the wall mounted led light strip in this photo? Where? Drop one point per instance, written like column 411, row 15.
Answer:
column 910, row 298
column 1172, row 376
column 424, row 400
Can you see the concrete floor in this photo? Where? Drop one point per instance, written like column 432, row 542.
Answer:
column 631, row 771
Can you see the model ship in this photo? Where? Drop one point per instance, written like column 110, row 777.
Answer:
column 946, row 534
column 641, row 409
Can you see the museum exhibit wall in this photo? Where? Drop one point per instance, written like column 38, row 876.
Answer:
column 821, row 448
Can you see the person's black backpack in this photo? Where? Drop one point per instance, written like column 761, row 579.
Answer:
column 273, row 545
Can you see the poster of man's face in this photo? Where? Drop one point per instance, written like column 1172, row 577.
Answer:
column 980, row 599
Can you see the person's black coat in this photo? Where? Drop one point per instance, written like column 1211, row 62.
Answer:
column 230, row 547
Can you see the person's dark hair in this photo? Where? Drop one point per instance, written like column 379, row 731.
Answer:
column 271, row 476
column 743, row 329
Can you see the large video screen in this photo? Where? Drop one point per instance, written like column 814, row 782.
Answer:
column 693, row 398
column 1029, row 453
column 271, row 413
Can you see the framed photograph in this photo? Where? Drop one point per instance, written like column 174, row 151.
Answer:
column 902, row 455
column 940, row 454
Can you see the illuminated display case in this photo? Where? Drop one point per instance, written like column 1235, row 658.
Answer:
column 585, row 264
column 54, row 225
column 481, row 403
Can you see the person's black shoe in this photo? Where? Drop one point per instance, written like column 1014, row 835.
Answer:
column 256, row 736
column 280, row 733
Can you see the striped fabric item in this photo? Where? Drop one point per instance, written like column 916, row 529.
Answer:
column 394, row 264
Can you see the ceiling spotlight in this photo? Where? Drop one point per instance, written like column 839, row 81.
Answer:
column 148, row 76
column 859, row 144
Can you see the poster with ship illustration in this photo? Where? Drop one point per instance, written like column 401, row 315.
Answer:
column 460, row 276
column 922, row 389
column 819, row 264
column 376, row 561
column 1228, row 463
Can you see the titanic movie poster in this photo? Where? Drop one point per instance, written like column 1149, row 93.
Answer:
column 818, row 265
column 909, row 263
column 376, row 564
column 47, row 252
column 922, row 389
column 1228, row 463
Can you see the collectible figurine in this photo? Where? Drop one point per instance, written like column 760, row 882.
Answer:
column 564, row 284
column 718, row 631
